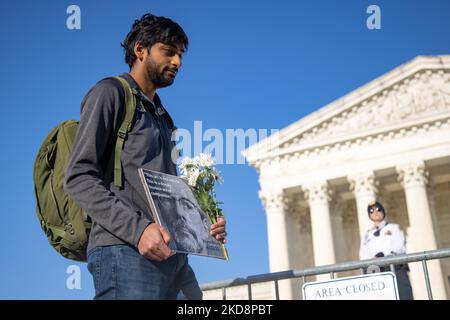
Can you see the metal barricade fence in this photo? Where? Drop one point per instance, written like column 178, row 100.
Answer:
column 332, row 269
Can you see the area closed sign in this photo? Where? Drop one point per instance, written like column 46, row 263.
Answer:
column 375, row 286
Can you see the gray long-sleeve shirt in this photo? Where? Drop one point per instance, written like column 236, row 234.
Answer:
column 119, row 216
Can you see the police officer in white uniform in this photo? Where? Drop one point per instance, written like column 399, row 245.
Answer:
column 385, row 239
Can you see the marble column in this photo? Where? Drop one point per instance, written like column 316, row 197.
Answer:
column 421, row 237
column 317, row 195
column 283, row 238
column 364, row 187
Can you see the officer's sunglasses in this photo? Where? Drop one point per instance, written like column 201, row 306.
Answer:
column 372, row 210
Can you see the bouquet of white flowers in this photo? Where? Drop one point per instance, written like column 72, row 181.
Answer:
column 201, row 175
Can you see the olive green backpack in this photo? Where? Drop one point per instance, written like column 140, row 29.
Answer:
column 65, row 224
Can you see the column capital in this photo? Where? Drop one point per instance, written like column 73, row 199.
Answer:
column 363, row 184
column 274, row 201
column 317, row 192
column 413, row 174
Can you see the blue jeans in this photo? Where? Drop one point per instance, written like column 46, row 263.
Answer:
column 120, row 272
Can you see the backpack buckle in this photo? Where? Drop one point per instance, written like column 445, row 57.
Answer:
column 69, row 228
column 122, row 134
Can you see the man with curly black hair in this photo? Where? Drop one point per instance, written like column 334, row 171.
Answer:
column 128, row 253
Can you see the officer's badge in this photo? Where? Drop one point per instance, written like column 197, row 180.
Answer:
column 388, row 233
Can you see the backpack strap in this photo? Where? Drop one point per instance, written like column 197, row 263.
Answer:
column 130, row 108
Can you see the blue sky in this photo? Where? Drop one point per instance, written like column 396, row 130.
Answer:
column 251, row 64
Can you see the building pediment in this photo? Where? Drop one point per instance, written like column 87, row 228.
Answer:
column 410, row 95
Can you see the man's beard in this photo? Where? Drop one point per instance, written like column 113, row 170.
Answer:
column 159, row 78
column 186, row 238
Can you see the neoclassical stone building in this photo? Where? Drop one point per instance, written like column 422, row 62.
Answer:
column 390, row 140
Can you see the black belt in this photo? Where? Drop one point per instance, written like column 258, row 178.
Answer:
column 397, row 267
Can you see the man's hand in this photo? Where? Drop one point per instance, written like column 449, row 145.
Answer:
column 218, row 230
column 154, row 242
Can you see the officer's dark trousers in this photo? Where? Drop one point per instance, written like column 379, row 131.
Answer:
column 404, row 286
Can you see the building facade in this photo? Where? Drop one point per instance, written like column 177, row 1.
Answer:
column 389, row 140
